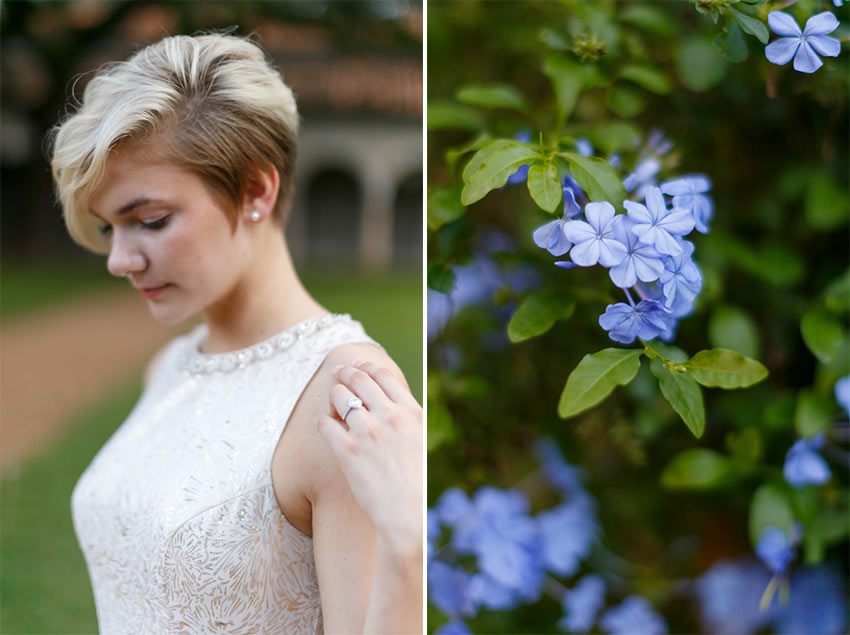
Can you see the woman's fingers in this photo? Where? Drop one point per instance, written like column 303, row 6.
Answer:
column 389, row 383
column 362, row 385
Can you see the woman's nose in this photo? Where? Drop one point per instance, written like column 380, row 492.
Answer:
column 124, row 257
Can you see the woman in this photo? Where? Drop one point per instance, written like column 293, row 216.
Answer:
column 269, row 479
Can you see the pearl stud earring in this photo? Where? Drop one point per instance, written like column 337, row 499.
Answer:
column 254, row 216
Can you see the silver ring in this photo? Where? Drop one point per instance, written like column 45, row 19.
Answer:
column 353, row 404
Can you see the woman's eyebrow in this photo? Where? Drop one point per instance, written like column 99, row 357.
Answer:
column 138, row 202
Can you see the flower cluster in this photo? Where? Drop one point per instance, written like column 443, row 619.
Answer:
column 644, row 250
column 514, row 552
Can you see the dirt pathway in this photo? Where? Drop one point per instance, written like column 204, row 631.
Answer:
column 56, row 362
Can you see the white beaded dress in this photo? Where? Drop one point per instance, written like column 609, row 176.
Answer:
column 176, row 515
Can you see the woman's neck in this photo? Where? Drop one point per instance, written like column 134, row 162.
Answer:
column 267, row 299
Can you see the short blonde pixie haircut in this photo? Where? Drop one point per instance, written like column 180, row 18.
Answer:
column 211, row 104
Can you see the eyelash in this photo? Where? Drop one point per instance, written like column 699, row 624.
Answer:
column 105, row 230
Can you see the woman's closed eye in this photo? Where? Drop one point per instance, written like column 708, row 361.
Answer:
column 156, row 224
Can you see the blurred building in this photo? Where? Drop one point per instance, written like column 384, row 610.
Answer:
column 356, row 70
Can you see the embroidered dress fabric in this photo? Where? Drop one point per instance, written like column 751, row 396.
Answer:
column 176, row 515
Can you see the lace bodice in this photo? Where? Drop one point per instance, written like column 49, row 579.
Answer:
column 176, row 515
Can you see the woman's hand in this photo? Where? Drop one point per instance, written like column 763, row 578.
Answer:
column 379, row 449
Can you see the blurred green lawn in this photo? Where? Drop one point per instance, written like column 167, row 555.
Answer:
column 44, row 586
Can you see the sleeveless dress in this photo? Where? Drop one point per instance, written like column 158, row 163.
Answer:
column 176, row 515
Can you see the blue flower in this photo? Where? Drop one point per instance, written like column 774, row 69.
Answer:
column 521, row 175
column 804, row 466
column 818, row 603
column 584, row 147
column 551, row 235
column 439, row 312
column 634, row 615
column 643, row 176
column 842, row 393
column 492, row 594
column 655, row 225
column 563, row 476
column 505, row 540
column 449, row 589
column 582, row 603
column 625, row 322
column 680, row 280
column 803, row 45
column 641, row 261
column 452, row 506
column 775, row 549
column 456, row 627
column 729, row 593
column 568, row 531
column 688, row 193
column 594, row 240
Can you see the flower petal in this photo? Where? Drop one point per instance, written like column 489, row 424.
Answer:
column 806, row 60
column 623, row 275
column 782, row 50
column 611, row 252
column 783, row 24
column 542, row 235
column 821, row 24
column 578, row 231
column 679, row 222
column 825, row 45
column 655, row 204
column 647, row 269
column 586, row 254
column 638, row 212
column 599, row 214
column 666, row 244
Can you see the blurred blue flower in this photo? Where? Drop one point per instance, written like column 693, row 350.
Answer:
column 625, row 322
column 680, row 280
column 551, row 235
column 456, row 627
column 581, row 604
column 804, row 45
column 505, row 539
column 641, row 261
column 656, row 225
column 439, row 312
column 475, row 283
column 449, row 589
column 434, row 531
column 688, row 193
column 634, row 615
column 492, row 594
column 568, row 531
column 842, row 393
column 838, row 3
column 452, row 506
column 563, row 476
column 818, row 603
column 729, row 593
column 803, row 465
column 521, row 175
column 775, row 549
column 642, row 177
column 594, row 241
column 584, row 147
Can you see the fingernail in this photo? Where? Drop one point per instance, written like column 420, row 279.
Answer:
column 336, row 369
column 357, row 363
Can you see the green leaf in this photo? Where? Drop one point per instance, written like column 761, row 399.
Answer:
column 626, row 102
column 825, row 203
column 538, row 312
column 822, row 333
column 491, row 166
column 666, row 352
column 829, row 527
column 544, row 186
column 647, row 77
column 446, row 114
column 769, row 507
column 813, row 414
column 493, row 96
column 836, row 296
column 751, row 25
column 441, row 427
column 569, row 79
column 444, row 207
column 722, row 368
column 699, row 65
column 597, row 178
column 554, row 39
column 683, row 394
column 746, row 446
column 595, row 377
column 731, row 45
column 733, row 328
column 696, row 469
column 648, row 18
column 441, row 278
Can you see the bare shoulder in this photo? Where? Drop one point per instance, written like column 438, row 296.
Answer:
column 304, row 468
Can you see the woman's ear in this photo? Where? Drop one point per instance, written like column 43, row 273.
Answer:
column 261, row 193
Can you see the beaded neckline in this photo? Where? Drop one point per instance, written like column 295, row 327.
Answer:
column 198, row 363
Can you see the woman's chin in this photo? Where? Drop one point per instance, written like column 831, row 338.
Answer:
column 168, row 315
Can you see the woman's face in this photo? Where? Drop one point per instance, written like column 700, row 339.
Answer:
column 167, row 235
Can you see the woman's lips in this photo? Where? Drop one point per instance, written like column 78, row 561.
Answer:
column 151, row 292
